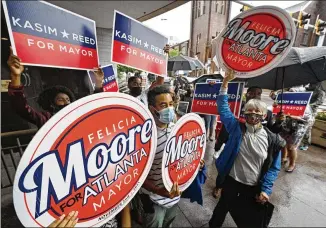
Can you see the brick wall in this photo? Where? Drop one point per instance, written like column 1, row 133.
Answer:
column 200, row 26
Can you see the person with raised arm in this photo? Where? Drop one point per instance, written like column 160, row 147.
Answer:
column 51, row 100
column 249, row 164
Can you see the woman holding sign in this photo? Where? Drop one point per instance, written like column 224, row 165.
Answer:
column 52, row 99
column 248, row 165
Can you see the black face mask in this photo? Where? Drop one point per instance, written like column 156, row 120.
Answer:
column 57, row 108
column 135, row 91
column 253, row 118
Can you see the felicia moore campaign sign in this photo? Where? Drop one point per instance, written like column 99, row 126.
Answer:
column 92, row 157
column 137, row 46
column 183, row 151
column 255, row 41
column 205, row 96
column 110, row 83
column 45, row 35
column 293, row 103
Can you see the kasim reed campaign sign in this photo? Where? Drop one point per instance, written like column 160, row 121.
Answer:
column 92, row 157
column 110, row 83
column 255, row 41
column 137, row 46
column 45, row 35
column 205, row 96
column 183, row 151
column 293, row 103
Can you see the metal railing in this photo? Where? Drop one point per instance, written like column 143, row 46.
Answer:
column 12, row 153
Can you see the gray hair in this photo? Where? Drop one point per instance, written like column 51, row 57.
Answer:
column 256, row 104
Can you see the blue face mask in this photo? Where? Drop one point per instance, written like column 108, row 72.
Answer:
column 166, row 115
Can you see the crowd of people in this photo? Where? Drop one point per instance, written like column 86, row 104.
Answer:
column 255, row 147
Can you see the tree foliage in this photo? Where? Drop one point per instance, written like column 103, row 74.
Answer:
column 173, row 53
column 125, row 69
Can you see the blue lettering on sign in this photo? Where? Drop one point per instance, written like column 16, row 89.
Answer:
column 36, row 18
column 48, row 177
column 211, row 91
column 294, row 98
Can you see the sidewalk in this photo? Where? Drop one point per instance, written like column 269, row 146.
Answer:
column 299, row 198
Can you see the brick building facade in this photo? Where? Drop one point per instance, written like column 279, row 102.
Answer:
column 208, row 19
column 182, row 47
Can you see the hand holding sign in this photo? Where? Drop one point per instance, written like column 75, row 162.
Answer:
column 99, row 77
column 66, row 221
column 15, row 67
column 167, row 48
column 229, row 76
column 175, row 191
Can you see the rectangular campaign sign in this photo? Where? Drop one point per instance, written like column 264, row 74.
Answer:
column 110, row 83
column 46, row 35
column 205, row 97
column 182, row 107
column 137, row 46
column 293, row 103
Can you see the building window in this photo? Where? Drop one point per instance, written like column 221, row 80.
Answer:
column 216, row 5
column 198, row 38
column 204, row 7
column 198, row 8
column 305, row 39
column 221, row 10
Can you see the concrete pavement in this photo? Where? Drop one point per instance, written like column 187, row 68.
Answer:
column 299, row 197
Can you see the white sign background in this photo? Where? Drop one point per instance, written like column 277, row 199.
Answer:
column 165, row 170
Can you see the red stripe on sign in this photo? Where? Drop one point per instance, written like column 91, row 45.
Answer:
column 210, row 107
column 37, row 50
column 293, row 110
column 112, row 87
column 136, row 57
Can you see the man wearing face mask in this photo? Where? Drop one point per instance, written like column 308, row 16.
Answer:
column 52, row 99
column 160, row 205
column 135, row 86
column 249, row 164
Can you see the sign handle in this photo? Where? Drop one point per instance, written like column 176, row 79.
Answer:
column 283, row 73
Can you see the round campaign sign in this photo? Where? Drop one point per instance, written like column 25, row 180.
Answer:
column 92, row 157
column 255, row 41
column 183, row 151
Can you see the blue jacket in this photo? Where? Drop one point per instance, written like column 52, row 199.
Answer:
column 193, row 192
column 224, row 163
